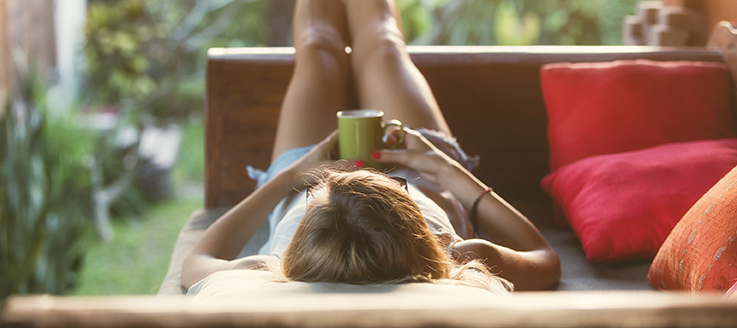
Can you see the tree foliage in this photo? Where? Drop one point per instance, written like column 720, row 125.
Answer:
column 515, row 22
column 148, row 57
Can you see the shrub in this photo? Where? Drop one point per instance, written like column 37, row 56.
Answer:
column 45, row 193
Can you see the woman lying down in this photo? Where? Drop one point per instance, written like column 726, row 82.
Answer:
column 338, row 222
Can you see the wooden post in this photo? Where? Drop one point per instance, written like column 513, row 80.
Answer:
column 5, row 59
column 28, row 26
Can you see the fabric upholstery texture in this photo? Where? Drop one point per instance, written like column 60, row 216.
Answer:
column 700, row 254
column 198, row 222
column 623, row 206
column 611, row 107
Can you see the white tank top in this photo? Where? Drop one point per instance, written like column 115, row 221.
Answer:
column 289, row 212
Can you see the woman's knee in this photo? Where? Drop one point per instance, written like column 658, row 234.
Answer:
column 384, row 50
column 321, row 48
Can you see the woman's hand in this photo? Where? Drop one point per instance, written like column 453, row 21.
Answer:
column 322, row 153
column 418, row 154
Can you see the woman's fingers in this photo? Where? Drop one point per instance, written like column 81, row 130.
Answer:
column 328, row 147
column 417, row 153
column 320, row 154
column 402, row 156
column 393, row 137
column 424, row 163
column 406, row 153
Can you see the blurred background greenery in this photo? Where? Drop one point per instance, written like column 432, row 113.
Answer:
column 94, row 194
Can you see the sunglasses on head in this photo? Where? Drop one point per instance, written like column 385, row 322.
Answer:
column 402, row 182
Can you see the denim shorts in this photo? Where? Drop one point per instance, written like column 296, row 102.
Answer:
column 442, row 141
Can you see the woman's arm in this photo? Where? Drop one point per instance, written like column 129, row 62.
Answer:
column 226, row 237
column 521, row 254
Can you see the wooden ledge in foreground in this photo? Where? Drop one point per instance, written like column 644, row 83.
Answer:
column 548, row 309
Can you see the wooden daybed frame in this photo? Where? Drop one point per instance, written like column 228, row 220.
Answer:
column 492, row 100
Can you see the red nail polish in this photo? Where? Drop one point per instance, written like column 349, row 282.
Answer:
column 376, row 155
column 359, row 163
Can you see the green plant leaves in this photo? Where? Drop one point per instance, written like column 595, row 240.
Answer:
column 511, row 29
column 44, row 193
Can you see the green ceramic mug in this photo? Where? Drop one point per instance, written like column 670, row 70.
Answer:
column 360, row 133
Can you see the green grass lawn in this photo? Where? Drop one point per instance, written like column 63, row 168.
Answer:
column 136, row 261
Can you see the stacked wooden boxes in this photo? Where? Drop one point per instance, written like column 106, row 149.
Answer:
column 667, row 23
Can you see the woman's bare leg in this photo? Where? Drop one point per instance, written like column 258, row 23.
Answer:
column 317, row 89
column 384, row 74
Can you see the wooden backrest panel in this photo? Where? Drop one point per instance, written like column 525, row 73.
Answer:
column 490, row 96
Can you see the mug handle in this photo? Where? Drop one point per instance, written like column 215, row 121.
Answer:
column 398, row 123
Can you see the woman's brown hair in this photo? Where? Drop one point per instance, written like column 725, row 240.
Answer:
column 362, row 228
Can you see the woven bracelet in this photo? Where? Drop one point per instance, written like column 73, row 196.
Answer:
column 474, row 210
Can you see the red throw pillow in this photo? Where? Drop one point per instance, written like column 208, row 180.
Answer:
column 611, row 107
column 623, row 206
column 700, row 253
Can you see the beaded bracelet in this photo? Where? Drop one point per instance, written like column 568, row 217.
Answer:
column 474, row 210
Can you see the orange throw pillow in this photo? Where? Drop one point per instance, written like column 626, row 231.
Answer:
column 700, row 254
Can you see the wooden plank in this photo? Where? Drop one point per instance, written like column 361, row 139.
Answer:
column 5, row 57
column 540, row 309
column 212, row 133
column 243, row 102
